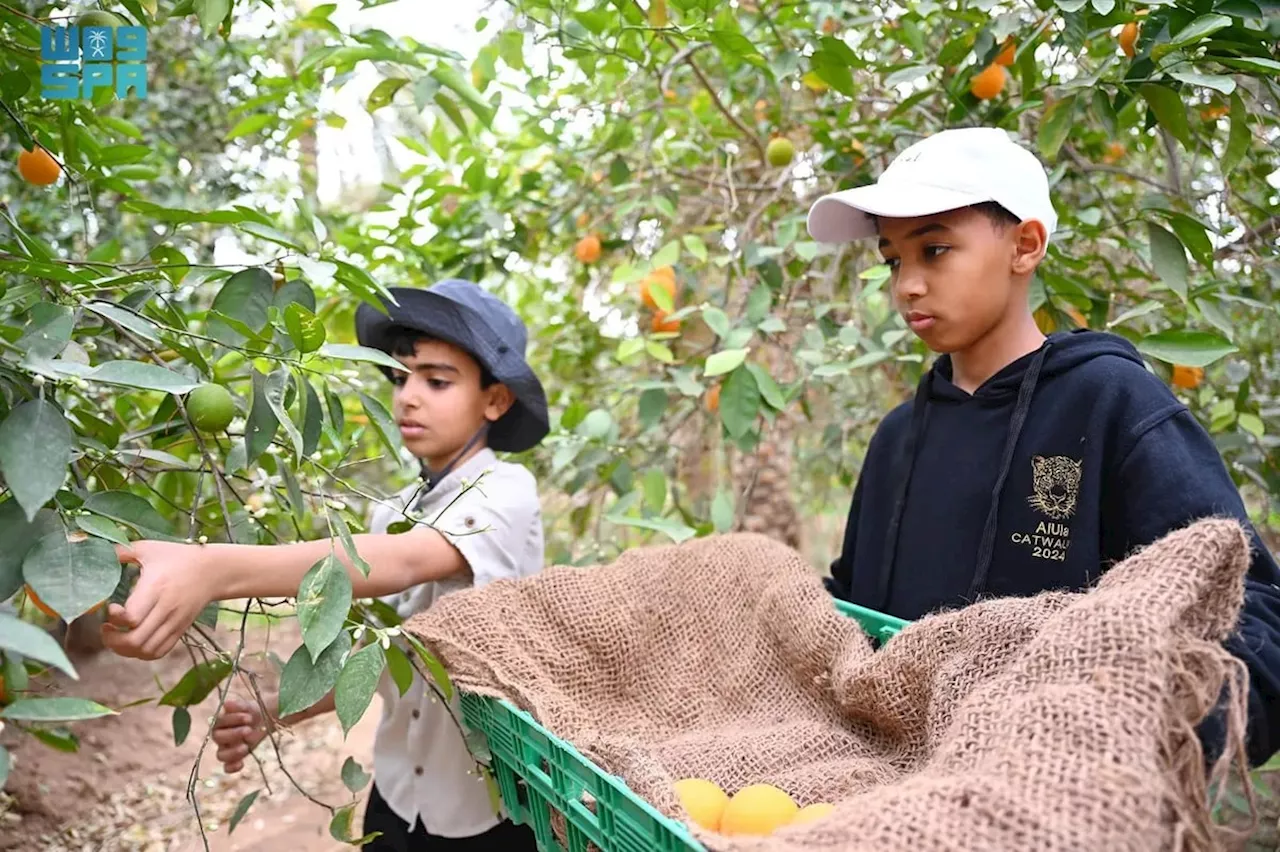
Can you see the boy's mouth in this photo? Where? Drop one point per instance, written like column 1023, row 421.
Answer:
column 409, row 429
column 919, row 321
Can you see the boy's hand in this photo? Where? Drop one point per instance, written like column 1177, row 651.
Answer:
column 172, row 588
column 238, row 730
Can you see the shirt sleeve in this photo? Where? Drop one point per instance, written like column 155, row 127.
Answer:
column 491, row 523
column 1171, row 477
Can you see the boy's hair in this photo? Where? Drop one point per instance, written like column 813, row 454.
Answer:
column 999, row 216
column 403, row 341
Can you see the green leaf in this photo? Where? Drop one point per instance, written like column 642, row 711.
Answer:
column 341, row 824
column 1170, row 111
column 36, row 444
column 59, row 738
column 1252, row 424
column 5, row 763
column 261, row 424
column 135, row 323
column 1055, row 126
column 304, row 681
column 695, row 247
column 305, row 329
column 181, row 725
column 211, row 14
column 668, row 255
column 1239, row 138
column 356, row 684
column 732, row 43
column 655, row 489
column 72, row 577
column 1254, row 64
column 312, row 417
column 451, row 78
column 1169, row 259
column 270, row 234
column 249, row 125
column 659, row 351
column 1218, row 82
column 131, row 510
column 1194, row 236
column 716, row 320
column 769, row 389
column 135, row 374
column 384, row 93
column 672, row 529
column 242, row 808
column 61, row 709
column 1201, row 27
column 739, row 403
column 33, row 643
column 383, row 423
column 722, row 512
column 102, row 528
column 434, row 668
column 274, row 392
column 353, row 775
column 400, row 669
column 726, row 361
column 245, row 297
column 351, row 352
column 195, row 686
column 1185, row 347
column 324, row 597
column 349, row 544
column 652, row 405
column 19, row 536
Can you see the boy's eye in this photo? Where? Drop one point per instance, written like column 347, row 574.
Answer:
column 438, row 384
column 931, row 252
column 893, row 263
column 397, row 380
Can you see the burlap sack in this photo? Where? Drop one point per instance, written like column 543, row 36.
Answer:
column 1059, row 722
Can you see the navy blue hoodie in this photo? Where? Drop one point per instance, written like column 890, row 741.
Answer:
column 1004, row 492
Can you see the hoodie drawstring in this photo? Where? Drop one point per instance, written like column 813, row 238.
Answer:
column 919, row 423
column 431, row 480
column 987, row 548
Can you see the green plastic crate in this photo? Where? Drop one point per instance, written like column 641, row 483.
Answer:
column 539, row 774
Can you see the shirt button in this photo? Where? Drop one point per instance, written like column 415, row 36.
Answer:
column 417, row 714
column 417, row 770
column 470, row 522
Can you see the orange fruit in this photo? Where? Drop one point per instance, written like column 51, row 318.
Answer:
column 813, row 812
column 1005, row 57
column 4, row 696
column 830, row 25
column 1115, row 152
column 713, row 399
column 39, row 604
column 1187, row 378
column 38, row 167
column 1075, row 314
column 1128, row 38
column 703, row 800
column 663, row 277
column 661, row 324
column 757, row 810
column 583, row 220
column 988, row 83
column 588, row 249
column 1214, row 112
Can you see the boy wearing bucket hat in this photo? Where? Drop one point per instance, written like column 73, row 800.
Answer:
column 1024, row 463
column 465, row 392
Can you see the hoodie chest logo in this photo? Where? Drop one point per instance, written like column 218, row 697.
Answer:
column 1056, row 483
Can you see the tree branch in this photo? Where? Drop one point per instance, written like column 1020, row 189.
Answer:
column 1258, row 232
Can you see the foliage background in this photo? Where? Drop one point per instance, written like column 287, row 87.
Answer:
column 198, row 236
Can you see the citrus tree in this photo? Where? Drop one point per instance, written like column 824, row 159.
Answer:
column 633, row 178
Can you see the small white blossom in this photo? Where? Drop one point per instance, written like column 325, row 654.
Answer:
column 204, row 539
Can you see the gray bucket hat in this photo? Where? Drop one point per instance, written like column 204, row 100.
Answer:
column 485, row 327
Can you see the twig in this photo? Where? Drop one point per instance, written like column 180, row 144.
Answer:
column 1258, row 232
column 715, row 99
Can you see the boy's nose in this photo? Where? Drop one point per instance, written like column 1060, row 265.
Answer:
column 909, row 284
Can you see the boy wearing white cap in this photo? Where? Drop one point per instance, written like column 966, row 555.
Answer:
column 1025, row 462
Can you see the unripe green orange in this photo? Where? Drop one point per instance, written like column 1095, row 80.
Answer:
column 211, row 408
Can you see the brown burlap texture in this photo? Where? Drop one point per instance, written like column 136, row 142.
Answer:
column 1059, row 722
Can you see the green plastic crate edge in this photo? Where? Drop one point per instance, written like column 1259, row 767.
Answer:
column 537, row 773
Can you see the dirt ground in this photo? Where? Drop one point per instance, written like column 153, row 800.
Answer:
column 126, row 788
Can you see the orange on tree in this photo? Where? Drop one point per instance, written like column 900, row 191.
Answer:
column 1213, row 112
column 830, row 25
column 1128, row 38
column 780, row 151
column 1006, row 56
column 663, row 277
column 713, row 399
column 1187, row 378
column 1115, row 151
column 37, row 603
column 989, row 82
column 661, row 322
column 38, row 167
column 588, row 249
column 583, row 219
column 211, row 407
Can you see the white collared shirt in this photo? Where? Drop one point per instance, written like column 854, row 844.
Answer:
column 421, row 764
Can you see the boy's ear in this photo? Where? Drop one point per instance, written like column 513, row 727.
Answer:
column 1030, row 241
column 500, row 401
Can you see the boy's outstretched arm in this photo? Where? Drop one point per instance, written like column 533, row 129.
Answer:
column 1172, row 476
column 179, row 580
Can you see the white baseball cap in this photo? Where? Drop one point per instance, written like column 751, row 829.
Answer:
column 946, row 171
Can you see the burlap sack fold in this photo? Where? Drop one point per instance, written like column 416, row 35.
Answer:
column 1060, row 722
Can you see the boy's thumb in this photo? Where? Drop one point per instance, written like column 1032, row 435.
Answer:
column 126, row 555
